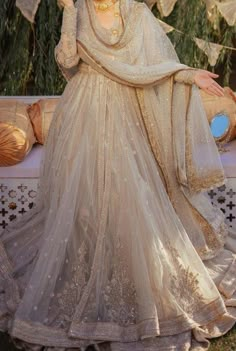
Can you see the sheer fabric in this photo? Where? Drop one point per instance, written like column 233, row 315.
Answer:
column 123, row 249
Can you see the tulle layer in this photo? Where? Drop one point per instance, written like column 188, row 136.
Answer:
column 104, row 258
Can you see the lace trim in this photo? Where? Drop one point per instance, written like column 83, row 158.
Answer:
column 100, row 331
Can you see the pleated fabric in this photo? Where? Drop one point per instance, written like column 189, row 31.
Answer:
column 121, row 251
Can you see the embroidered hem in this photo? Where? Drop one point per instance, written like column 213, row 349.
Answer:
column 39, row 334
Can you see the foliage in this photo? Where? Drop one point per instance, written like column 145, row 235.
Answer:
column 27, row 50
column 28, row 66
column 190, row 17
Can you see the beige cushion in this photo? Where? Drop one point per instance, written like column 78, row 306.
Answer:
column 41, row 113
column 226, row 104
column 16, row 132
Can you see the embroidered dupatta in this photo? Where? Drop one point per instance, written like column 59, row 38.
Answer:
column 142, row 56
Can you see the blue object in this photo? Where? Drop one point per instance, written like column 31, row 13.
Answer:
column 220, row 125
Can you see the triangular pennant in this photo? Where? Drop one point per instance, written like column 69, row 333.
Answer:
column 228, row 11
column 167, row 28
column 166, row 6
column 212, row 50
column 212, row 13
column 28, row 8
column 210, row 4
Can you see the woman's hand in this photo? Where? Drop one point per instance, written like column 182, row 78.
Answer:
column 204, row 80
column 64, row 3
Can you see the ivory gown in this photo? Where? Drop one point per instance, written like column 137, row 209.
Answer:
column 123, row 249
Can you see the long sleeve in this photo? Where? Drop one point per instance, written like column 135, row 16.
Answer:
column 66, row 53
column 185, row 76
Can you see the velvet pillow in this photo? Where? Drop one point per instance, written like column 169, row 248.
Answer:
column 41, row 113
column 16, row 132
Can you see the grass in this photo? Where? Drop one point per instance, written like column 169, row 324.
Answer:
column 224, row 343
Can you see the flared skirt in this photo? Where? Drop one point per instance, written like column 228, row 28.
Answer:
column 104, row 258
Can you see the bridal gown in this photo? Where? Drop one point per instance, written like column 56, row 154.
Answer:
column 116, row 253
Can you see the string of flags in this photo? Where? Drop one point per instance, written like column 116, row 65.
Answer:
column 212, row 50
column 227, row 9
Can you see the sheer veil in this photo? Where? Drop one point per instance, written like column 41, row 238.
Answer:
column 114, row 249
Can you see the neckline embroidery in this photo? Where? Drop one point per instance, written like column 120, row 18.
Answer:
column 116, row 21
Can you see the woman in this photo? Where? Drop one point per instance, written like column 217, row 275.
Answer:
column 123, row 250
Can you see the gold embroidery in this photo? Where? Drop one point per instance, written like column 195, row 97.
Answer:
column 153, row 139
column 104, row 189
column 69, row 297
column 185, row 286
column 42, row 335
column 214, row 240
column 120, row 293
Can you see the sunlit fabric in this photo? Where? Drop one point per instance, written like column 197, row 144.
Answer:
column 123, row 250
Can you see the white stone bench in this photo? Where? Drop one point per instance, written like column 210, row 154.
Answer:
column 19, row 183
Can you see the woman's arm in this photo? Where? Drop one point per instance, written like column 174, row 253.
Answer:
column 66, row 50
column 202, row 78
column 185, row 76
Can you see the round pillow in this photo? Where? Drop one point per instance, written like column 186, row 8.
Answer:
column 16, row 132
column 221, row 114
column 41, row 113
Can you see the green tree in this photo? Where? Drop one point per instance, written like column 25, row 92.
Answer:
column 28, row 66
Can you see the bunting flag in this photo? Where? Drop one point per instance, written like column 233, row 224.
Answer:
column 228, row 10
column 167, row 28
column 212, row 13
column 210, row 4
column 165, row 7
column 28, row 8
column 212, row 50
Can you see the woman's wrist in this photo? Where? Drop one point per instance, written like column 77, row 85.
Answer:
column 186, row 76
column 69, row 5
column 191, row 74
